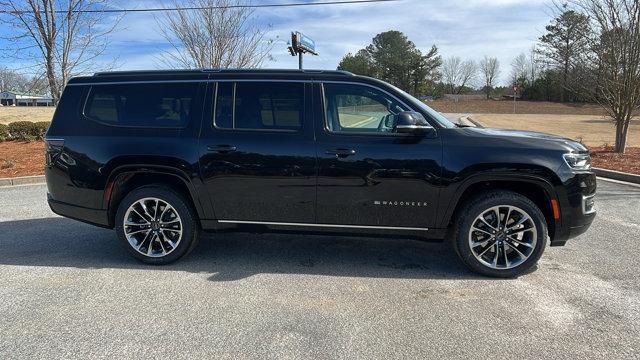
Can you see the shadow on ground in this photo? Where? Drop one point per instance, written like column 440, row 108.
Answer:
column 60, row 242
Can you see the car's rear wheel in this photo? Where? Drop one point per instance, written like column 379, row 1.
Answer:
column 156, row 224
column 500, row 233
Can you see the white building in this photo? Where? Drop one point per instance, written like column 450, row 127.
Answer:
column 14, row 98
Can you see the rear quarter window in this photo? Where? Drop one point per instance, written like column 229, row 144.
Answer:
column 156, row 105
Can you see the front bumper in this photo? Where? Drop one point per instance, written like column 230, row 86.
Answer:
column 577, row 199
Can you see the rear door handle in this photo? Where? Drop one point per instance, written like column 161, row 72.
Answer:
column 222, row 149
column 340, row 152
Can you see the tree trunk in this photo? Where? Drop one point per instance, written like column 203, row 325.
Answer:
column 564, row 83
column 622, row 130
column 51, row 78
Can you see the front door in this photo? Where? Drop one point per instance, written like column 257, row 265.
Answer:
column 257, row 153
column 368, row 174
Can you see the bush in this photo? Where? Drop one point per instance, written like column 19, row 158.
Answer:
column 4, row 132
column 23, row 130
column 42, row 127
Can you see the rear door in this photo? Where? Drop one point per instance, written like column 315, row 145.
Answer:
column 370, row 176
column 258, row 158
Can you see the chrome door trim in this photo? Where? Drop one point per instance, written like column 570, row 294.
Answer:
column 322, row 225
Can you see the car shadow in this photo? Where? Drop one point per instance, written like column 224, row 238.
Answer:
column 60, row 242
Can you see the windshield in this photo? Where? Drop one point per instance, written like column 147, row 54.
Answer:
column 432, row 113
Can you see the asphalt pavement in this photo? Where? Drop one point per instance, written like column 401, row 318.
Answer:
column 70, row 290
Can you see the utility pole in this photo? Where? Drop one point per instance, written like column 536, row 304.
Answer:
column 300, row 60
column 515, row 93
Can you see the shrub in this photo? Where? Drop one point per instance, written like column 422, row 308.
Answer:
column 42, row 127
column 23, row 130
column 4, row 132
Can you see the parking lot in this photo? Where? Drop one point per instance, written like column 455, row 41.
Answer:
column 70, row 290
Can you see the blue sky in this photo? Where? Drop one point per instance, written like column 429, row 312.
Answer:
column 465, row 28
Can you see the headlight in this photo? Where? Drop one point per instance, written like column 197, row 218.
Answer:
column 578, row 161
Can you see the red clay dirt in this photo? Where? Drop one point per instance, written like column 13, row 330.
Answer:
column 18, row 158
column 604, row 157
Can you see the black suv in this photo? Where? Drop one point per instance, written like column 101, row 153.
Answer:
column 162, row 155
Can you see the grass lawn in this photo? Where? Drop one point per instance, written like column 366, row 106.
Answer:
column 591, row 130
column 10, row 114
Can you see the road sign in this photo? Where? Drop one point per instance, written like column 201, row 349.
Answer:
column 301, row 43
column 515, row 89
column 306, row 43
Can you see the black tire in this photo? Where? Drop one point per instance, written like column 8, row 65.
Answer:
column 473, row 208
column 178, row 204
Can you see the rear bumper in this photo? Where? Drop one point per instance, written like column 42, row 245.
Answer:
column 91, row 216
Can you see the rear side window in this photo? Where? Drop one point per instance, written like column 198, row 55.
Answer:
column 260, row 106
column 142, row 105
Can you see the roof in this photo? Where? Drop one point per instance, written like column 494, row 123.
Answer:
column 222, row 71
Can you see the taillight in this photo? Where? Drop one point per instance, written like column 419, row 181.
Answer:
column 53, row 147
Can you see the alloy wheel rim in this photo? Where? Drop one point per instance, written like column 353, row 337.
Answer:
column 153, row 227
column 503, row 237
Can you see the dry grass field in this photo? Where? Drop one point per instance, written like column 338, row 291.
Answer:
column 592, row 130
column 522, row 107
column 10, row 114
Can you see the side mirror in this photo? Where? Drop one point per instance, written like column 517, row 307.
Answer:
column 411, row 122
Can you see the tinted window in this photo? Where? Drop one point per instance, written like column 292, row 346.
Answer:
column 260, row 106
column 359, row 108
column 150, row 105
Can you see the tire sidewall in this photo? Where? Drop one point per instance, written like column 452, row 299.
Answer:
column 479, row 205
column 189, row 233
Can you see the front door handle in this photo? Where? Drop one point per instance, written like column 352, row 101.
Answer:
column 340, row 152
column 222, row 149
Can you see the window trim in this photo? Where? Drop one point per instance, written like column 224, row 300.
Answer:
column 233, row 119
column 85, row 116
column 325, row 125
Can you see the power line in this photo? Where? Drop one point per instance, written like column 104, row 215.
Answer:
column 297, row 4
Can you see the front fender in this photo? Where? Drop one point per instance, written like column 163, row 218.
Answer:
column 455, row 189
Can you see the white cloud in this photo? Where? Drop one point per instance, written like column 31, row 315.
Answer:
column 465, row 28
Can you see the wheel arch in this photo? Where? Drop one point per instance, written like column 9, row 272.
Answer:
column 124, row 179
column 537, row 189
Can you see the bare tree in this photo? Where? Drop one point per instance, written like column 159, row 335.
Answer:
column 218, row 35
column 14, row 81
column 61, row 37
column 490, row 70
column 457, row 73
column 614, row 63
column 520, row 68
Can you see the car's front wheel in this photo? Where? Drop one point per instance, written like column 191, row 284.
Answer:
column 156, row 224
column 500, row 233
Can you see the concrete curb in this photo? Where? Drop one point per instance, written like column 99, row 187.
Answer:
column 22, row 180
column 469, row 120
column 617, row 175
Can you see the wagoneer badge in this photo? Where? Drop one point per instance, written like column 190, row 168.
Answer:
column 400, row 203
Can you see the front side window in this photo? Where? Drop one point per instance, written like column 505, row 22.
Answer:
column 142, row 105
column 353, row 108
column 259, row 106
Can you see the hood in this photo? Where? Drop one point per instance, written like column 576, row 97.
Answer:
column 529, row 137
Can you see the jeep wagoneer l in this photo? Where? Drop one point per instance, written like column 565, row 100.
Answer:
column 162, row 155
